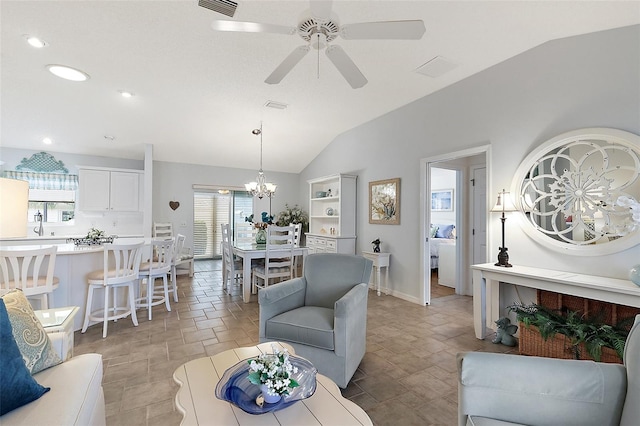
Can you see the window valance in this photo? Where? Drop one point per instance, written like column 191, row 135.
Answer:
column 47, row 181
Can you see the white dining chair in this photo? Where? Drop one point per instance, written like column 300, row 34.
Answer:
column 159, row 266
column 278, row 262
column 231, row 268
column 120, row 270
column 32, row 271
column 162, row 230
column 297, row 232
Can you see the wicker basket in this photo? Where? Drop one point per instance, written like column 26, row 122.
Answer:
column 531, row 342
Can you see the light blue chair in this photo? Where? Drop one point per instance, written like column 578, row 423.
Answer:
column 499, row 389
column 323, row 314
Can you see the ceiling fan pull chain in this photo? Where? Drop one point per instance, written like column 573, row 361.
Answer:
column 318, row 35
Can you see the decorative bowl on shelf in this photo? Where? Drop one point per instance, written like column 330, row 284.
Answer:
column 234, row 387
column 321, row 194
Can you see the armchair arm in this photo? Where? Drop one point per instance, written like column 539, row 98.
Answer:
column 539, row 391
column 279, row 298
column 350, row 321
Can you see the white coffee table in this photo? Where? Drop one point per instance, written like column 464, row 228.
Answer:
column 197, row 401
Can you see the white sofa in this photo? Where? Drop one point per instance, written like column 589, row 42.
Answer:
column 76, row 396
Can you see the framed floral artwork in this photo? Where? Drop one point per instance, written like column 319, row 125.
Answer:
column 384, row 202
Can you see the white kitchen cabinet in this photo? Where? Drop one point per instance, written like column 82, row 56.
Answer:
column 332, row 215
column 109, row 190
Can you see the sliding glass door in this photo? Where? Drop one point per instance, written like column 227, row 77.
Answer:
column 210, row 210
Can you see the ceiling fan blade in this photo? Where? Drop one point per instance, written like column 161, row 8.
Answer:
column 386, row 30
column 251, row 27
column 321, row 9
column 345, row 65
column 287, row 65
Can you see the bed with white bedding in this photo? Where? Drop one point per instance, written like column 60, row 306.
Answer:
column 440, row 234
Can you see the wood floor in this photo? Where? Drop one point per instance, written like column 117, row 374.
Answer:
column 407, row 377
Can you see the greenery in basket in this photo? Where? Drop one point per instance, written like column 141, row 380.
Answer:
column 273, row 370
column 578, row 329
column 293, row 215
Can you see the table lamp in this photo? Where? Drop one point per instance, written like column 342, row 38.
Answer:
column 504, row 204
column 14, row 203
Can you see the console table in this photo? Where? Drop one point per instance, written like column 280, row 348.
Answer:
column 380, row 260
column 486, row 289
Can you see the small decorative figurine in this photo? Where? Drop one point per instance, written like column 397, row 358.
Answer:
column 505, row 332
column 376, row 245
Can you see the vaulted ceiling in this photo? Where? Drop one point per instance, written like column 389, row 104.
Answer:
column 199, row 93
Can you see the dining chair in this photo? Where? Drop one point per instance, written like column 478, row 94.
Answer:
column 183, row 257
column 121, row 268
column 162, row 229
column 231, row 267
column 30, row 270
column 159, row 266
column 278, row 262
column 297, row 232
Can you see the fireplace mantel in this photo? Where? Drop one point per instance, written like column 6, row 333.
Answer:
column 486, row 289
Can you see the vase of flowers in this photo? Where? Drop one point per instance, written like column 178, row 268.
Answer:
column 261, row 234
column 273, row 373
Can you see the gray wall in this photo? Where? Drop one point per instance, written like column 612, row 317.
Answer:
column 174, row 182
column 585, row 81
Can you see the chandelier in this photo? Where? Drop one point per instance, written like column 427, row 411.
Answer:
column 260, row 187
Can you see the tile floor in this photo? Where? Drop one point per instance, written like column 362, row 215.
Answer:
column 407, row 377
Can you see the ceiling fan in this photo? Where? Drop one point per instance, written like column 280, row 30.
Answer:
column 319, row 27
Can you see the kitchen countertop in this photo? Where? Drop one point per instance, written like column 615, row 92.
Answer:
column 58, row 237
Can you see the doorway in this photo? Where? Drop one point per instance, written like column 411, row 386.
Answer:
column 463, row 222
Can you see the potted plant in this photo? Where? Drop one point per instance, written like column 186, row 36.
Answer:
column 581, row 333
column 293, row 215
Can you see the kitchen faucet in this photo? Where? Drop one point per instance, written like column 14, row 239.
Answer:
column 38, row 218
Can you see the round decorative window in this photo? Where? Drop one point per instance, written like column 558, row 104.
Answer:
column 578, row 191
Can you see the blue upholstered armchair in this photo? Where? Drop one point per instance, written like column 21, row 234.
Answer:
column 323, row 314
column 499, row 389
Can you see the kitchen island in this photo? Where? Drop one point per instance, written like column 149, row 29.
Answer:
column 73, row 263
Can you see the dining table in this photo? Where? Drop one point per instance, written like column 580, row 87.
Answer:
column 249, row 251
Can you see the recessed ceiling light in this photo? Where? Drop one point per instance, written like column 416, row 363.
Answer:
column 67, row 73
column 47, row 141
column 36, row 42
column 126, row 94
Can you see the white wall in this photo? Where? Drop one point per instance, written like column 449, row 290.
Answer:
column 585, row 81
column 444, row 179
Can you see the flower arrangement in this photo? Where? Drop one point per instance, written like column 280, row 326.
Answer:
column 266, row 220
column 293, row 215
column 95, row 234
column 273, row 370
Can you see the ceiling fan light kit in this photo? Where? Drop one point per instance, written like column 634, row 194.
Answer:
column 318, row 28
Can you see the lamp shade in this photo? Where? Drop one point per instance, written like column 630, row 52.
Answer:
column 14, row 202
column 504, row 203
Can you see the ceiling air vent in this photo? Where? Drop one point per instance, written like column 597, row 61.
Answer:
column 276, row 105
column 226, row 7
column 436, row 67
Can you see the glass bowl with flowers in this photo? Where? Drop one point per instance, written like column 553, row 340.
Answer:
column 268, row 382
